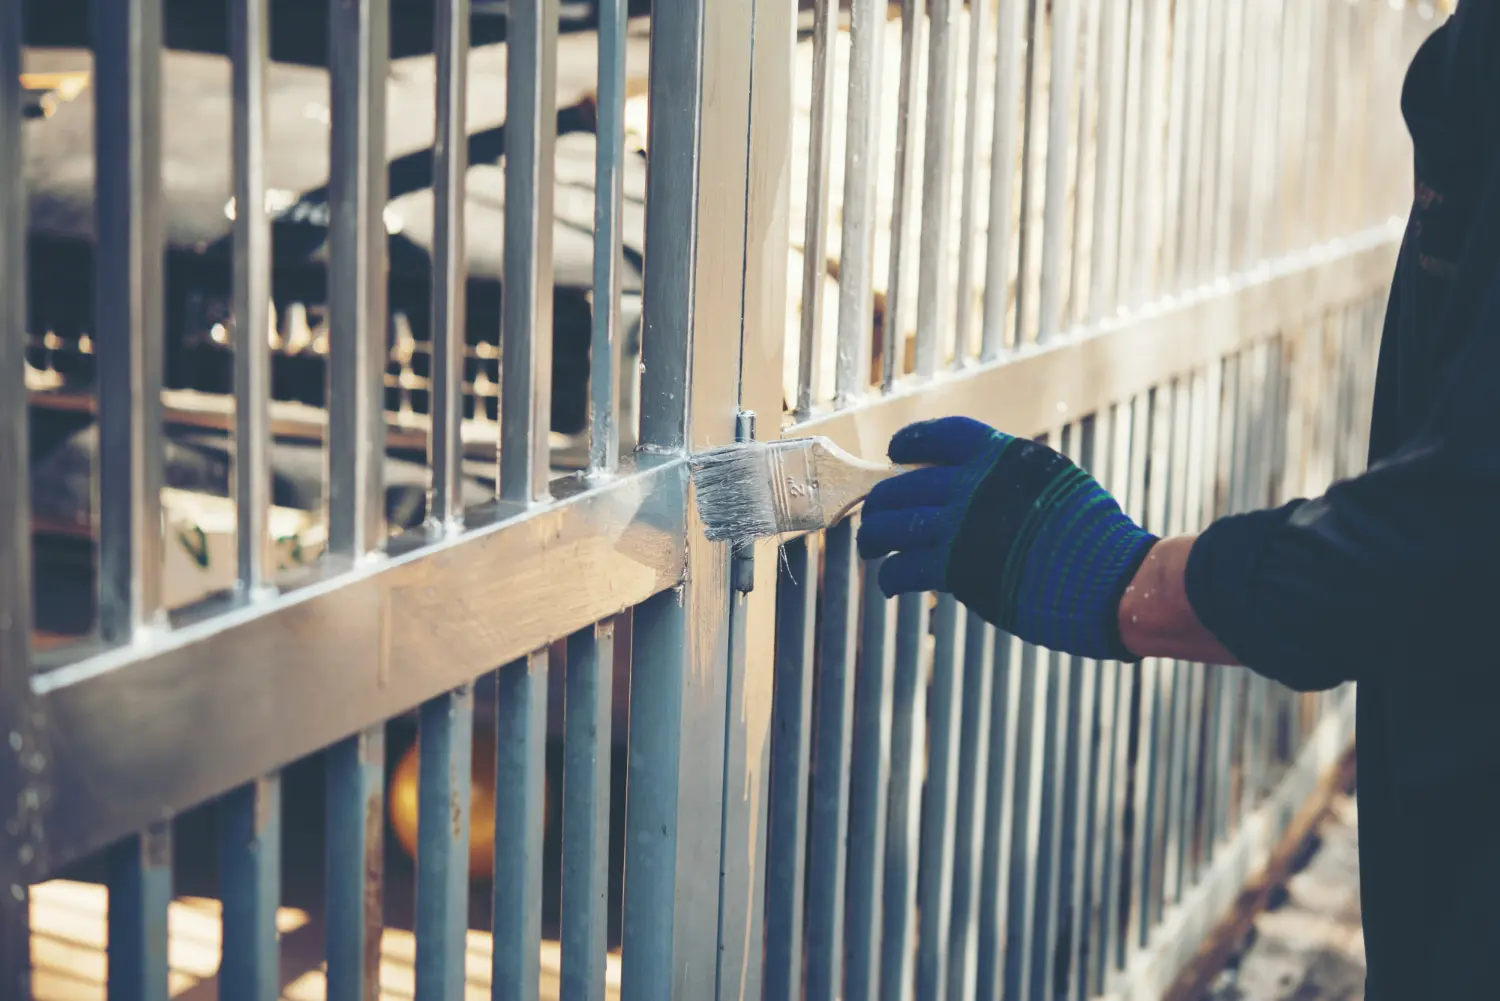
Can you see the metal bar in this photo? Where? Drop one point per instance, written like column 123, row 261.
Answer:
column 358, row 54
column 355, row 865
column 999, row 813
column 140, row 891
column 450, row 166
column 1006, row 143
column 250, row 48
column 250, row 881
column 128, row 295
column 892, row 334
column 939, row 806
column 609, row 198
column 444, row 762
column 964, row 317
column 1033, row 155
column 908, row 726
column 1236, row 154
column 815, row 231
column 1196, row 127
column 1085, row 172
column 1157, row 675
column 1179, row 520
column 857, row 242
column 972, row 794
column 828, row 811
column 1177, row 121
column 1104, row 295
column 1055, row 194
column 869, row 775
column 937, row 182
column 526, row 309
column 588, row 723
column 1026, row 791
column 26, row 768
column 791, row 743
column 1146, row 257
column 1130, row 158
column 520, row 779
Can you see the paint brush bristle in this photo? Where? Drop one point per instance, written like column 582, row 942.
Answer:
column 736, row 501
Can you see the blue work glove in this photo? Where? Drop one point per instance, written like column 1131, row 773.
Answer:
column 1014, row 530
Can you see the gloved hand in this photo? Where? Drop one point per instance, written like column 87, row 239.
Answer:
column 1014, row 530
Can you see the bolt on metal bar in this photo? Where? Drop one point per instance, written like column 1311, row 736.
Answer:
column 828, row 809
column 972, row 794
column 1056, row 193
column 359, row 45
column 609, row 173
column 939, row 807
column 520, row 778
column 869, row 775
column 250, row 882
column 791, row 729
column 526, row 308
column 1006, row 142
column 15, row 518
column 815, row 223
column 450, row 167
column 969, row 197
column 908, row 726
column 892, row 335
column 587, row 742
column 937, row 182
column 444, row 768
column 861, row 160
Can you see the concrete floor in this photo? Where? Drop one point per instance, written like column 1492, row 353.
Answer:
column 1309, row 947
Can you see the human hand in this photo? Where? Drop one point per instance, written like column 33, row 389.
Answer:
column 1011, row 528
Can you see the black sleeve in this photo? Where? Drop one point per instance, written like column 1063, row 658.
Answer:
column 1383, row 567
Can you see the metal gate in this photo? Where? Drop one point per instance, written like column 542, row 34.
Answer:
column 1156, row 231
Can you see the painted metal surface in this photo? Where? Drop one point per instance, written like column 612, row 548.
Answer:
column 1126, row 236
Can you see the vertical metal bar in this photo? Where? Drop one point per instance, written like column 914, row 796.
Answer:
column 526, row 312
column 250, row 45
column 355, row 865
column 937, row 183
column 791, row 742
column 815, row 232
column 908, row 725
column 1146, row 256
column 1195, row 127
column 128, row 306
column 857, row 243
column 1217, row 123
column 1033, row 167
column 20, row 713
column 1026, row 791
column 444, row 761
column 828, row 814
column 520, row 777
column 963, row 319
column 609, row 166
column 1179, row 520
column 1056, row 194
column 869, row 775
column 1178, row 94
column 250, row 817
column 1105, row 268
column 892, row 335
column 587, row 743
column 450, row 153
column 1236, row 155
column 140, row 891
column 1006, row 141
column 1085, row 172
column 999, row 814
column 1156, row 700
column 973, row 793
column 250, row 881
column 359, row 44
column 939, row 807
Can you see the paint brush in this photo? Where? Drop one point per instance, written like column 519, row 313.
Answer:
column 754, row 489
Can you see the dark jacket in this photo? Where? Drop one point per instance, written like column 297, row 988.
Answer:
column 1392, row 578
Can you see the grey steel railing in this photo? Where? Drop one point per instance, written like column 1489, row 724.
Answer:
column 1156, row 232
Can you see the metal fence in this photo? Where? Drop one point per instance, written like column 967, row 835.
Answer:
column 1156, row 231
